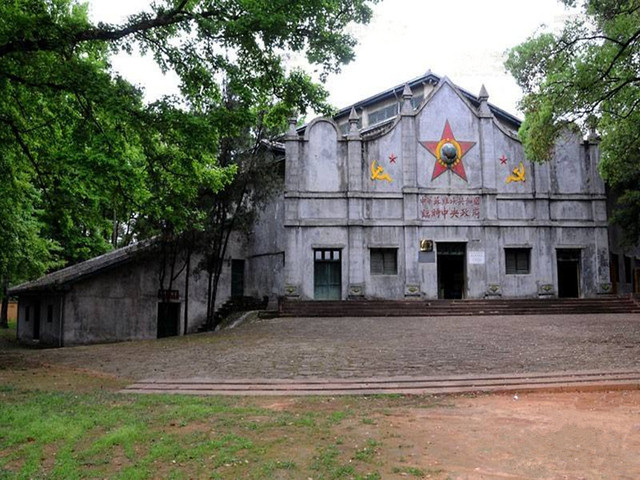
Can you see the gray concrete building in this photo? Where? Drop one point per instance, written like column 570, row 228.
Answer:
column 425, row 192
column 420, row 192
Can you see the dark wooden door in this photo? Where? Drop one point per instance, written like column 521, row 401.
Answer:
column 36, row 321
column 168, row 319
column 451, row 263
column 613, row 272
column 568, row 272
column 237, row 278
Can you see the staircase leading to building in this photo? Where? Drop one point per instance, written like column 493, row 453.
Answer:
column 438, row 308
column 234, row 304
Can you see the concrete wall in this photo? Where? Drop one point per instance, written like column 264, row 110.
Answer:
column 49, row 307
column 116, row 305
column 334, row 200
column 119, row 303
column 265, row 252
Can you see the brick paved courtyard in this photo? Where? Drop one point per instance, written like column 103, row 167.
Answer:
column 364, row 347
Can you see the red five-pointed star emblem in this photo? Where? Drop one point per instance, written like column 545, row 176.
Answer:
column 448, row 152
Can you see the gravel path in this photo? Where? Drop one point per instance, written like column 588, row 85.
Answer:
column 283, row 348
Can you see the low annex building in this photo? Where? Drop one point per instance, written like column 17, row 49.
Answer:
column 420, row 192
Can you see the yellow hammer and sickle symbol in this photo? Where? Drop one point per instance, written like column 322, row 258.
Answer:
column 518, row 174
column 377, row 173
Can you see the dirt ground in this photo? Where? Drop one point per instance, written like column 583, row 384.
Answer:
column 538, row 436
column 569, row 436
column 566, row 436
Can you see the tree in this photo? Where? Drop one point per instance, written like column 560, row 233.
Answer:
column 588, row 76
column 24, row 253
column 105, row 169
column 234, row 209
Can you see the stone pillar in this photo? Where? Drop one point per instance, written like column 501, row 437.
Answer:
column 355, row 209
column 354, row 154
column 409, row 159
column 409, row 154
column 488, row 156
column 292, row 278
column 493, row 247
column 292, row 160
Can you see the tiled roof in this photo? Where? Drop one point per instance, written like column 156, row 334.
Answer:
column 60, row 279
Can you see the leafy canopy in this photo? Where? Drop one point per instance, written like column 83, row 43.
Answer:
column 588, row 75
column 86, row 165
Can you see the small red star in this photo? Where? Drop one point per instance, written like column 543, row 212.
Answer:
column 393, row 158
column 503, row 159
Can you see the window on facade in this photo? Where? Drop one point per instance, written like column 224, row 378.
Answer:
column 416, row 101
column 517, row 260
column 384, row 261
column 383, row 113
column 627, row 269
column 327, row 255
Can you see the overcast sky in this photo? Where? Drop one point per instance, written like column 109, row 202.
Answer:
column 465, row 40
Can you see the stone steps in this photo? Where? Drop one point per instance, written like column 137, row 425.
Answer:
column 391, row 308
column 521, row 383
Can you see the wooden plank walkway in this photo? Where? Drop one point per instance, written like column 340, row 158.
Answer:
column 554, row 381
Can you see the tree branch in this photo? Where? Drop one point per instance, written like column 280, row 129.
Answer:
column 106, row 33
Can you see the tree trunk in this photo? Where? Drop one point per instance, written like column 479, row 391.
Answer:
column 209, row 308
column 186, row 292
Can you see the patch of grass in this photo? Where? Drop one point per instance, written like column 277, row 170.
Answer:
column 369, row 476
column 367, row 453
column 327, row 464
column 86, row 431
column 416, row 472
column 338, row 416
column 8, row 335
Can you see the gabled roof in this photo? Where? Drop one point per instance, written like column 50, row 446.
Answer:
column 428, row 78
column 61, row 279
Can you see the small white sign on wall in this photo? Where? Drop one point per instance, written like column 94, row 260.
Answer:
column 476, row 258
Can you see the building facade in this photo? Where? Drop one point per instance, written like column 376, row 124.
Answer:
column 438, row 201
column 420, row 192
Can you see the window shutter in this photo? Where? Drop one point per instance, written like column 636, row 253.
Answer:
column 377, row 262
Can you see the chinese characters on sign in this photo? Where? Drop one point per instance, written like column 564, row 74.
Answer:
column 457, row 207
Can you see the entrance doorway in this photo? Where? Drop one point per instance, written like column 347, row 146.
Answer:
column 327, row 274
column 568, row 272
column 451, row 262
column 237, row 278
column 36, row 321
column 613, row 272
column 168, row 319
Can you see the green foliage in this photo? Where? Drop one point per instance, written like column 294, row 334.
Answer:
column 86, row 165
column 105, row 435
column 587, row 75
